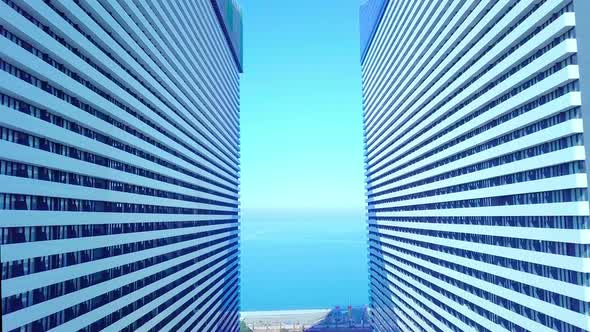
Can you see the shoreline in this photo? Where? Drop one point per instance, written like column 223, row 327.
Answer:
column 286, row 311
column 286, row 318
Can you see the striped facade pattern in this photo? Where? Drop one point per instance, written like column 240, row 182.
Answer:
column 119, row 167
column 476, row 167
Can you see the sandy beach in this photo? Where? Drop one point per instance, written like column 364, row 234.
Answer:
column 293, row 320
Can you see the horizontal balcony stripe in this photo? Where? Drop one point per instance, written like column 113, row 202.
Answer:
column 562, row 103
column 547, row 184
column 498, row 310
column 546, row 209
column 219, row 63
column 29, row 282
column 545, row 160
column 486, row 174
column 443, row 55
column 38, row 311
column 575, row 291
column 409, row 34
column 408, row 320
column 220, row 56
column 174, row 48
column 407, row 312
column 80, row 17
column 128, row 319
column 571, row 317
column 26, row 250
column 192, row 309
column 22, row 218
column 451, row 318
column 178, row 49
column 42, row 99
column 546, row 60
column 146, row 49
column 191, row 45
column 21, row 26
column 39, row 127
column 561, row 261
column 557, row 27
column 465, row 16
column 32, row 156
column 25, row 186
column 81, row 321
column 452, row 53
column 559, row 52
column 166, row 312
column 581, row 236
column 217, row 39
column 563, row 129
column 209, row 320
column 393, row 11
column 546, row 308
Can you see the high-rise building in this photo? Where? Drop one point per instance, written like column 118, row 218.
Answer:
column 119, row 165
column 476, row 117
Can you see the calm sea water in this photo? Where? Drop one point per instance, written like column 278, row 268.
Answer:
column 297, row 260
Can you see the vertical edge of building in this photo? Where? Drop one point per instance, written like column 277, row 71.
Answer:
column 119, row 165
column 370, row 15
column 583, row 45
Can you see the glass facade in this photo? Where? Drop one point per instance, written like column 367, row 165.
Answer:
column 476, row 170
column 119, row 165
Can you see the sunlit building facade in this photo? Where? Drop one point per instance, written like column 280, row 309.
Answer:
column 119, row 165
column 476, row 136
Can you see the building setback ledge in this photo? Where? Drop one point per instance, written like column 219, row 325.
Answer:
column 229, row 14
column 370, row 14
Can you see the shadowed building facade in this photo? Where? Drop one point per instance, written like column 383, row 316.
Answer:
column 475, row 115
column 119, row 165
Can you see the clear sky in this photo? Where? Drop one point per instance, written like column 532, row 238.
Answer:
column 301, row 118
column 303, row 230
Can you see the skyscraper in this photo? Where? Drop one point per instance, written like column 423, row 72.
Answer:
column 119, row 165
column 476, row 131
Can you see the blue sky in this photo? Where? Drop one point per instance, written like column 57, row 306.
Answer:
column 301, row 118
column 303, row 239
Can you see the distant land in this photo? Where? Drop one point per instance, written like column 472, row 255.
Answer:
column 338, row 319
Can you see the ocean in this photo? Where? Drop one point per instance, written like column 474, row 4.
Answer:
column 303, row 260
